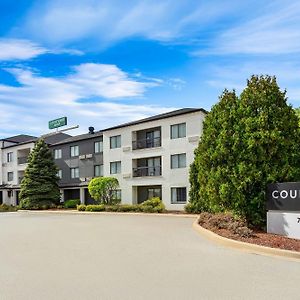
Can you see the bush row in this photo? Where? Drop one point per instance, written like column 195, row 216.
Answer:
column 5, row 207
column 153, row 205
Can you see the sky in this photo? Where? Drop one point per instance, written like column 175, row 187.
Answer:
column 102, row 63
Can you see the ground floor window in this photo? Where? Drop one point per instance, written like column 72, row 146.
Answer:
column 117, row 194
column 178, row 195
column 154, row 192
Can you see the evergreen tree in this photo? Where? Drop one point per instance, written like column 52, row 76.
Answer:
column 247, row 142
column 39, row 187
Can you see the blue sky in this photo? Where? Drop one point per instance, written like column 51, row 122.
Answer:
column 101, row 63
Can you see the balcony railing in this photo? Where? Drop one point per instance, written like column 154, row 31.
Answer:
column 146, row 143
column 147, row 171
column 22, row 160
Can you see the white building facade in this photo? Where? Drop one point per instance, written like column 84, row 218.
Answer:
column 152, row 158
column 149, row 157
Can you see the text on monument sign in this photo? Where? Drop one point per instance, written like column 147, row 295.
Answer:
column 283, row 196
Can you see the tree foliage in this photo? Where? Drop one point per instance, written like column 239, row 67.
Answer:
column 297, row 111
column 103, row 189
column 39, row 187
column 247, row 142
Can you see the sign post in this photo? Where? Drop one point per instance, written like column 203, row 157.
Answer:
column 283, row 205
column 57, row 123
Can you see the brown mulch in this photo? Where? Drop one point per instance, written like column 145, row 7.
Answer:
column 261, row 238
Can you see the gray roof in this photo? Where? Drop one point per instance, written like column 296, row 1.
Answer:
column 21, row 138
column 80, row 137
column 51, row 139
column 170, row 114
column 56, row 138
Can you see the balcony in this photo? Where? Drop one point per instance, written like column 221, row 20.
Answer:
column 147, row 171
column 147, row 138
column 22, row 160
column 146, row 143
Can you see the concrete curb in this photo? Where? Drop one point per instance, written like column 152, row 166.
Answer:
column 76, row 212
column 247, row 247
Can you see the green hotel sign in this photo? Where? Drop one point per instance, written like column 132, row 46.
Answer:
column 57, row 123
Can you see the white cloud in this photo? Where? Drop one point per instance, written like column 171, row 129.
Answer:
column 234, row 74
column 17, row 49
column 108, row 21
column 28, row 107
column 275, row 30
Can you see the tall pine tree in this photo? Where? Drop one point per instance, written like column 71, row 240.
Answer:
column 39, row 187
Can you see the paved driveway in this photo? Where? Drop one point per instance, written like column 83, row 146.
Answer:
column 71, row 256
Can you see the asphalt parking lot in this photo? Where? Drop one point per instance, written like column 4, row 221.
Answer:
column 108, row 256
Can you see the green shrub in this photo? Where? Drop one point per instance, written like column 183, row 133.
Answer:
column 81, row 207
column 193, row 208
column 112, row 208
column 36, row 205
column 71, row 203
column 103, row 190
column 5, row 208
column 95, row 207
column 128, row 208
column 153, row 205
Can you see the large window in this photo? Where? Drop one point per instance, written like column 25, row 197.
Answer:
column 9, row 156
column 98, row 170
column 178, row 131
column 115, row 142
column 10, row 176
column 115, row 167
column 98, row 147
column 59, row 174
column 74, row 172
column 117, row 195
column 178, row 161
column 74, row 151
column 57, row 153
column 178, row 195
column 153, row 192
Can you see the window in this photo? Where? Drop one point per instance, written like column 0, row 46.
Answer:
column 98, row 147
column 154, row 192
column 178, row 161
column 115, row 142
column 59, row 174
column 98, row 170
column 117, row 194
column 178, row 131
column 74, row 172
column 74, row 151
column 57, row 154
column 178, row 195
column 10, row 157
column 115, row 167
column 10, row 176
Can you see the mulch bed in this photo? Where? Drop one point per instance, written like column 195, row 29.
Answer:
column 261, row 238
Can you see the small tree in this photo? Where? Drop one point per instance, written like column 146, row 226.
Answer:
column 39, row 187
column 103, row 189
